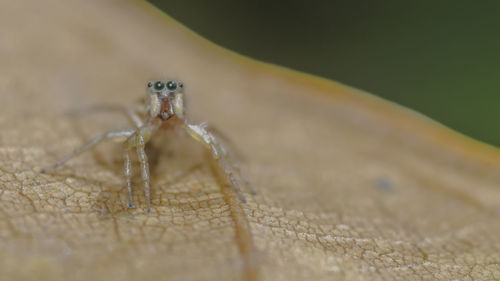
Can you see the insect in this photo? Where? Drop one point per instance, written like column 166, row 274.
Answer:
column 164, row 107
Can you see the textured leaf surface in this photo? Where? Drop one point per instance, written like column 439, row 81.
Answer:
column 350, row 187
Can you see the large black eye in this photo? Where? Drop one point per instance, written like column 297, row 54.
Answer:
column 159, row 85
column 171, row 85
column 150, row 84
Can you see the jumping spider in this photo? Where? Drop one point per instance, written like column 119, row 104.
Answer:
column 164, row 107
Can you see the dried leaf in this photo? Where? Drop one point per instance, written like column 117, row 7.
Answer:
column 349, row 186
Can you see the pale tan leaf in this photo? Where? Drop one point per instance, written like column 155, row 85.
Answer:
column 349, row 187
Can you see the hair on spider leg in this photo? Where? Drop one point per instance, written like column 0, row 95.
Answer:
column 163, row 108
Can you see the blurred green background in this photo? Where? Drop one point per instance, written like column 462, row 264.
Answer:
column 440, row 58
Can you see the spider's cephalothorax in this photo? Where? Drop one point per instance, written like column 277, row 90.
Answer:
column 166, row 100
column 164, row 105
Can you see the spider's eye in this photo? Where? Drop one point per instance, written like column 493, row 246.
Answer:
column 159, row 85
column 150, row 84
column 180, row 85
column 171, row 85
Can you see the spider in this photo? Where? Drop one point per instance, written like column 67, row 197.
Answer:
column 164, row 107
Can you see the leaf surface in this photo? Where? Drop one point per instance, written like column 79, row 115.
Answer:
column 350, row 187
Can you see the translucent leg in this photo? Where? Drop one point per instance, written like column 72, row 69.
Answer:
column 128, row 177
column 220, row 154
column 114, row 135
column 143, row 160
column 236, row 166
column 217, row 153
column 131, row 114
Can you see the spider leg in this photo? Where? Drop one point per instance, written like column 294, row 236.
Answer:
column 111, row 135
column 237, row 168
column 219, row 134
column 128, row 177
column 131, row 114
column 234, row 163
column 139, row 142
column 220, row 155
